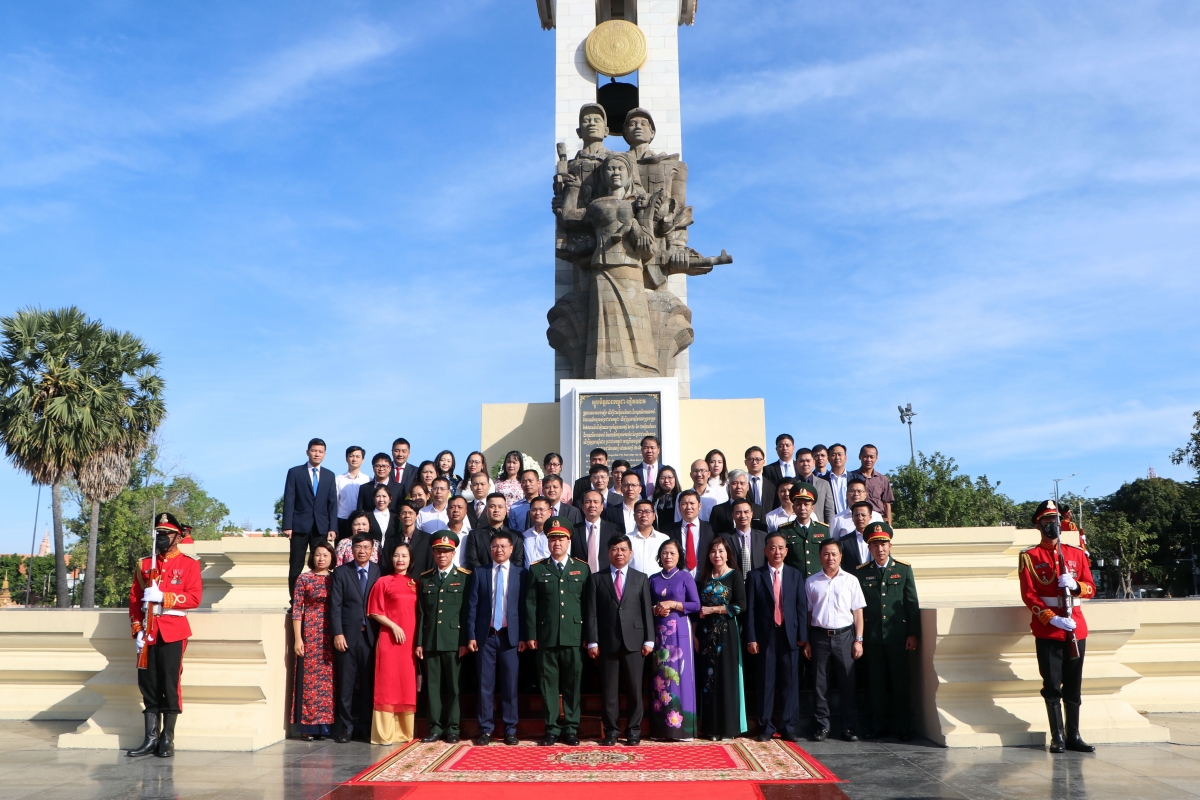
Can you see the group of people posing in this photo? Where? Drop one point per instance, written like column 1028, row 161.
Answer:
column 716, row 600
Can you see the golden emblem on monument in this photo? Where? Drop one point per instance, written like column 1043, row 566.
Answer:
column 615, row 48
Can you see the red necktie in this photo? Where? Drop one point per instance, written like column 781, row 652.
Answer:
column 778, row 603
column 691, row 549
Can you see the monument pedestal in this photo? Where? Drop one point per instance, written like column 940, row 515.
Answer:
column 615, row 415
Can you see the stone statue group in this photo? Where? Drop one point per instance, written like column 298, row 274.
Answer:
column 622, row 222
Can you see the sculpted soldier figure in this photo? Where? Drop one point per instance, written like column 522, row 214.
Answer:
column 1054, row 577
column 622, row 223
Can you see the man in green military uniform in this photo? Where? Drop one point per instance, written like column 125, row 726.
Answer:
column 804, row 534
column 892, row 623
column 442, row 635
column 554, row 614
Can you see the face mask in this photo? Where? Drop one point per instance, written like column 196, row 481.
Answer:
column 1051, row 530
column 162, row 542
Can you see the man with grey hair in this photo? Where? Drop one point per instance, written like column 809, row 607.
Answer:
column 721, row 518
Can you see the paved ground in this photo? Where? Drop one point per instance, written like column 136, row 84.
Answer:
column 32, row 767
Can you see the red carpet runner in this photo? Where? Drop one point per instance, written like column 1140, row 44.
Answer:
column 736, row 770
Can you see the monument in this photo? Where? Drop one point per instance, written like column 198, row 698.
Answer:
column 620, row 326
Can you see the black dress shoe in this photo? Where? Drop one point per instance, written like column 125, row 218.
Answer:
column 484, row 740
column 306, row 737
column 549, row 740
column 789, row 737
column 763, row 737
column 633, row 741
column 609, row 741
column 821, row 735
column 430, row 739
column 510, row 739
column 451, row 738
column 342, row 738
column 849, row 736
column 571, row 739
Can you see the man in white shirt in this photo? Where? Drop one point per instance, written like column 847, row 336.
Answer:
column 784, row 514
column 433, row 517
column 785, row 448
column 645, row 541
column 700, row 475
column 347, row 488
column 456, row 521
column 536, row 546
column 837, row 477
column 843, row 523
column 622, row 515
column 762, row 491
column 835, row 610
column 693, row 535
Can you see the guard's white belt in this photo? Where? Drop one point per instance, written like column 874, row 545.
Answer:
column 1056, row 602
column 170, row 612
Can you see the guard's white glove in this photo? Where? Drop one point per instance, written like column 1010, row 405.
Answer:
column 1064, row 623
column 1068, row 582
column 141, row 640
column 152, row 594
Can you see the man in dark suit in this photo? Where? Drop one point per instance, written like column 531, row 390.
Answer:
column 649, row 469
column 747, row 543
column 354, row 641
column 598, row 456
column 589, row 543
column 381, row 466
column 621, row 514
column 824, row 509
column 403, row 473
column 692, row 534
column 776, row 630
column 854, row 547
column 762, row 490
column 619, row 629
column 477, row 502
column 721, row 517
column 479, row 542
column 309, row 508
column 783, row 467
column 496, row 625
column 552, row 491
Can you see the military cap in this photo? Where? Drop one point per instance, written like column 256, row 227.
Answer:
column 593, row 107
column 167, row 523
column 1045, row 508
column 804, row 491
column 559, row 526
column 877, row 531
column 446, row 540
column 640, row 112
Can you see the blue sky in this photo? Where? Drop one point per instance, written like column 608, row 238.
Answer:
column 332, row 219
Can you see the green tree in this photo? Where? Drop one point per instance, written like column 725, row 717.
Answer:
column 931, row 493
column 52, row 398
column 1190, row 453
column 1131, row 544
column 1169, row 509
column 136, row 411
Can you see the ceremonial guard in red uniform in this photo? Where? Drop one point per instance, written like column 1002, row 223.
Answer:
column 167, row 585
column 1054, row 577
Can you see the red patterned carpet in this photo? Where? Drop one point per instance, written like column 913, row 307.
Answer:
column 735, row 770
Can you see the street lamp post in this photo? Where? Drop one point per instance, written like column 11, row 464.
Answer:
column 906, row 415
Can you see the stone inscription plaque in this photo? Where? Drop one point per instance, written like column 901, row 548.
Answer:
column 617, row 422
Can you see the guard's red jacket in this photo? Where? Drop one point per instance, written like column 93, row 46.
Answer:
column 179, row 579
column 1038, row 570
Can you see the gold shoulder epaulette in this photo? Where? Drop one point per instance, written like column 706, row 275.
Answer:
column 427, row 572
column 822, row 524
column 860, row 566
column 539, row 561
column 905, row 563
column 464, row 570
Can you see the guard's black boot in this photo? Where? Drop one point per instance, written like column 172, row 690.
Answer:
column 149, row 744
column 166, row 740
column 1054, row 714
column 1074, row 740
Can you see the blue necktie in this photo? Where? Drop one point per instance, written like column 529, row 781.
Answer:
column 498, row 602
column 316, row 480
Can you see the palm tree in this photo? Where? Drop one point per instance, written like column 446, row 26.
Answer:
column 64, row 398
column 121, row 436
